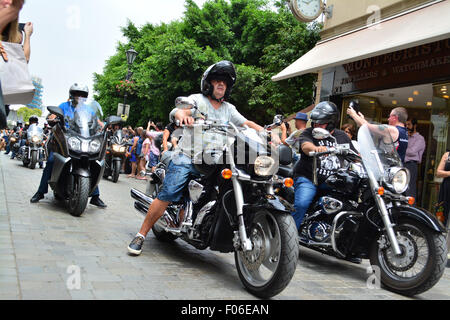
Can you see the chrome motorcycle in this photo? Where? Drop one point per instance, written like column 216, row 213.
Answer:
column 232, row 207
column 33, row 151
column 364, row 215
column 115, row 155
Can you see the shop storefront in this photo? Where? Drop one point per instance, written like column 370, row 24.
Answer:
column 403, row 60
column 416, row 78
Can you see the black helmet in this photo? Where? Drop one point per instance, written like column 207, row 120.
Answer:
column 325, row 112
column 222, row 70
column 33, row 119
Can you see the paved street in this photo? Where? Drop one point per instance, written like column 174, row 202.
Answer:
column 42, row 248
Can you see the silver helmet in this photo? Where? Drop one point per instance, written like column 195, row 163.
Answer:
column 78, row 89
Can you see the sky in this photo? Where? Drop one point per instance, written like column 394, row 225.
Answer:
column 72, row 39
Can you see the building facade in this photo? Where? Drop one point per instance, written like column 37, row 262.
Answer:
column 385, row 54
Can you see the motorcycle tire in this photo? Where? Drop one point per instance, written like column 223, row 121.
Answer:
column 25, row 162
column 116, row 171
column 34, row 159
column 80, row 194
column 391, row 266
column 275, row 233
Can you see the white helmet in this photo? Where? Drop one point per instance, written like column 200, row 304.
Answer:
column 78, row 89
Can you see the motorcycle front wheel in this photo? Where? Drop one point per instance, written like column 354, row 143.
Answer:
column 34, row 159
column 80, row 193
column 268, row 268
column 421, row 263
column 117, row 164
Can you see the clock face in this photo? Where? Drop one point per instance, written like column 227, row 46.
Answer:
column 306, row 10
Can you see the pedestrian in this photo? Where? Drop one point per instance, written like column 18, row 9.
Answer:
column 9, row 11
column 301, row 119
column 413, row 157
column 132, row 153
column 396, row 133
column 216, row 85
column 349, row 129
column 443, row 204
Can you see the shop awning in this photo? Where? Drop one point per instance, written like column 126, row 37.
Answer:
column 429, row 24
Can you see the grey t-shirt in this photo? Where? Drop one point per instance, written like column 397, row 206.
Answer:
column 194, row 141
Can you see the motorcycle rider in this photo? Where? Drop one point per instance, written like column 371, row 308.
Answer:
column 326, row 116
column 34, row 120
column 77, row 93
column 216, row 84
column 396, row 128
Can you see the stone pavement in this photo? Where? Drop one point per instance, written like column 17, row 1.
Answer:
column 45, row 253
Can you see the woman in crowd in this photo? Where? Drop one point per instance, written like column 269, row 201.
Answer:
column 443, row 205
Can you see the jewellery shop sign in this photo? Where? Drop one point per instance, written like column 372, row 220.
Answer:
column 422, row 64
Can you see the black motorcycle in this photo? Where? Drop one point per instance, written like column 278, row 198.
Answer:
column 33, row 151
column 78, row 153
column 364, row 215
column 115, row 155
column 232, row 207
column 14, row 144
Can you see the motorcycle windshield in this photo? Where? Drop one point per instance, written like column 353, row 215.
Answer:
column 34, row 130
column 378, row 151
column 117, row 137
column 84, row 121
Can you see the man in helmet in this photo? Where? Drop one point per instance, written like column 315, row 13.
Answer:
column 216, row 85
column 77, row 94
column 326, row 116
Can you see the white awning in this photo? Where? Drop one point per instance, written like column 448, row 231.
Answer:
column 429, row 24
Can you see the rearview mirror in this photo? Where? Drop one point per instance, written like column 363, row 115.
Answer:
column 113, row 120
column 185, row 103
column 320, row 134
column 56, row 111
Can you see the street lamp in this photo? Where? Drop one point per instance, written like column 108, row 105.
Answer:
column 131, row 56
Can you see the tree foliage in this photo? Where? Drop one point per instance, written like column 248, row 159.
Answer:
column 25, row 113
column 260, row 37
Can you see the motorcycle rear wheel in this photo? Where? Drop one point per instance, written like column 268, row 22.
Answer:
column 266, row 270
column 421, row 264
column 80, row 194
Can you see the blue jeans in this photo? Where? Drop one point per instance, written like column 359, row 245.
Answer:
column 179, row 172
column 305, row 191
column 47, row 174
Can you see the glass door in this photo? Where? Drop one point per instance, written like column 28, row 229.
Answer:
column 438, row 142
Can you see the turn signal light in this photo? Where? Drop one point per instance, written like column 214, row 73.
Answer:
column 411, row 201
column 440, row 216
column 226, row 174
column 289, row 182
column 380, row 191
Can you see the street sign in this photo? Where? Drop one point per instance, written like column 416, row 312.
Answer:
column 123, row 110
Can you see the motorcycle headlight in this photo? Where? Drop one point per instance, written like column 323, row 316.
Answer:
column 94, row 146
column 264, row 166
column 13, row 140
column 118, row 148
column 35, row 139
column 74, row 143
column 398, row 179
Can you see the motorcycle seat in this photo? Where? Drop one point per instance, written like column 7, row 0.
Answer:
column 286, row 171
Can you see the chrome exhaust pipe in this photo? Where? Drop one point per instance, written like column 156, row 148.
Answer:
column 143, row 203
column 141, row 197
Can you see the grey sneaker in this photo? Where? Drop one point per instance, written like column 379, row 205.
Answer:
column 135, row 247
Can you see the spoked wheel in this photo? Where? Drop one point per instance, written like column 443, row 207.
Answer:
column 80, row 193
column 421, row 262
column 269, row 267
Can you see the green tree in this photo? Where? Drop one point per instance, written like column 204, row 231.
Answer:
column 260, row 40
column 25, row 113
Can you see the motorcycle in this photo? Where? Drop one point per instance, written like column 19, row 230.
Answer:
column 232, row 207
column 115, row 155
column 14, row 143
column 78, row 153
column 33, row 151
column 364, row 215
